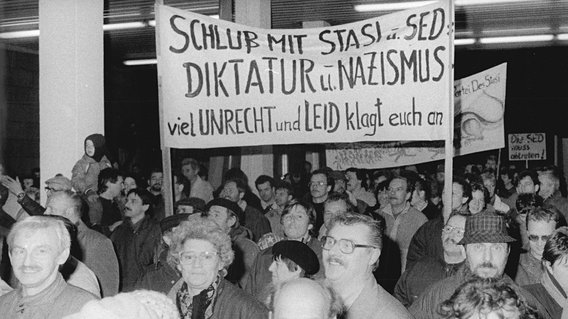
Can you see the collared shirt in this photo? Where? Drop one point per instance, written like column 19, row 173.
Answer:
column 56, row 301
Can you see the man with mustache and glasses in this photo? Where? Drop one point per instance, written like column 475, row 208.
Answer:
column 351, row 251
column 486, row 243
column 38, row 246
column 433, row 269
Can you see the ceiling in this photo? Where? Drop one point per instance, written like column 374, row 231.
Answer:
column 475, row 21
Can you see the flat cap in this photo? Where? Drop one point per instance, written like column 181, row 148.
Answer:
column 232, row 206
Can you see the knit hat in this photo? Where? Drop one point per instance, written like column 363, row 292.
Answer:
column 99, row 144
column 485, row 227
column 59, row 182
column 172, row 221
column 299, row 253
column 232, row 206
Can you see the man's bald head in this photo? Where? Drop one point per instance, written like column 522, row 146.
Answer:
column 304, row 299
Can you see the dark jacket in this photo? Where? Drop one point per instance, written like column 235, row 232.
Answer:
column 426, row 242
column 417, row 279
column 135, row 246
column 231, row 303
column 260, row 278
column 553, row 309
column 426, row 306
column 162, row 279
column 256, row 222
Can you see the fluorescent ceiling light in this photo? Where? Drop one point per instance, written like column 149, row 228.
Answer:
column 140, row 62
column 123, row 26
column 562, row 37
column 393, row 6
column 517, row 39
column 19, row 34
column 540, row 30
column 464, row 41
column 390, row 6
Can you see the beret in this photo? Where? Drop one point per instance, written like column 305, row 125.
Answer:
column 299, row 253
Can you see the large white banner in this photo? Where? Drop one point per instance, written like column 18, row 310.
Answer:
column 478, row 126
column 224, row 84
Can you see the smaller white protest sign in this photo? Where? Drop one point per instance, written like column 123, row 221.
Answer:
column 527, row 147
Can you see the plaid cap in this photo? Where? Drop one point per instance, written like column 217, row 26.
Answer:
column 485, row 227
column 59, row 182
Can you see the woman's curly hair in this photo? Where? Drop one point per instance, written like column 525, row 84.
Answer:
column 203, row 229
column 485, row 296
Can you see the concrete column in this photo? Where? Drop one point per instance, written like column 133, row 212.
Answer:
column 71, row 81
column 255, row 161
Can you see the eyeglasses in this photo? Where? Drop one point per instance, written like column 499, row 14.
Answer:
column 190, row 257
column 536, row 237
column 346, row 246
column 450, row 229
column 51, row 189
column 319, row 184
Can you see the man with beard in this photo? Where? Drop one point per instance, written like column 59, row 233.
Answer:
column 430, row 269
column 234, row 190
column 351, row 252
column 155, row 188
column 228, row 215
column 487, row 248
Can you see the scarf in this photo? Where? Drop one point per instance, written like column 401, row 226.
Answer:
column 199, row 306
column 553, row 287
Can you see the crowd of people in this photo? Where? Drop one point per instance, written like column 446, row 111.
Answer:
column 318, row 244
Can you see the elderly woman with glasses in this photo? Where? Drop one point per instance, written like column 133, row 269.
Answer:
column 202, row 253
